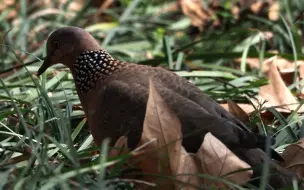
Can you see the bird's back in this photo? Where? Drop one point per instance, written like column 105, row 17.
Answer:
column 122, row 99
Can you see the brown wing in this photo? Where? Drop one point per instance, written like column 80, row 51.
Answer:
column 190, row 91
column 197, row 120
column 129, row 90
column 193, row 94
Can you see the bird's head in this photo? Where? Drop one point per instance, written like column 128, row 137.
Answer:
column 65, row 44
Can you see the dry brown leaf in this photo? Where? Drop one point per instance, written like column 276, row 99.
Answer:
column 286, row 67
column 235, row 10
column 6, row 5
column 256, row 6
column 287, row 76
column 242, row 112
column 274, row 11
column 276, row 93
column 301, row 69
column 166, row 154
column 76, row 5
column 247, row 108
column 103, row 6
column 194, row 10
column 238, row 112
column 263, row 8
column 217, row 160
column 293, row 156
column 282, row 64
column 280, row 72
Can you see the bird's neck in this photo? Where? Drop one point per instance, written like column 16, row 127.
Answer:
column 91, row 67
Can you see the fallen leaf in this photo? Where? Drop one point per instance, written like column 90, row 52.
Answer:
column 270, row 8
column 238, row 112
column 286, row 67
column 276, row 92
column 198, row 15
column 301, row 69
column 103, row 6
column 274, row 11
column 282, row 64
column 166, row 154
column 287, row 76
column 293, row 156
column 242, row 112
column 256, row 7
column 6, row 5
column 266, row 116
column 235, row 10
column 217, row 160
column 247, row 108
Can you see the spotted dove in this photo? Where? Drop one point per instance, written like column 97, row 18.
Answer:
column 114, row 95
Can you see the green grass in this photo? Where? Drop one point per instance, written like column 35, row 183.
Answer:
column 38, row 115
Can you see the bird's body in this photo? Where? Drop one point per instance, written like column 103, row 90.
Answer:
column 114, row 98
column 114, row 95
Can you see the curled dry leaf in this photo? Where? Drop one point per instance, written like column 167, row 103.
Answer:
column 104, row 5
column 286, row 67
column 215, row 159
column 76, row 5
column 256, row 7
column 164, row 155
column 194, row 10
column 283, row 65
column 293, row 156
column 239, row 112
column 274, row 10
column 242, row 112
column 261, row 8
column 254, row 63
column 301, row 69
column 276, row 92
column 5, row 5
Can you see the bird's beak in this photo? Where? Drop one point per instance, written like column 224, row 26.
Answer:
column 46, row 64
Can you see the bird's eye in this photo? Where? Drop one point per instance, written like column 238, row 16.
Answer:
column 55, row 45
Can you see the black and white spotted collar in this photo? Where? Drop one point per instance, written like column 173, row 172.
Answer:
column 92, row 66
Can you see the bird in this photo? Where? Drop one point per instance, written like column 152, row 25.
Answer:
column 114, row 94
